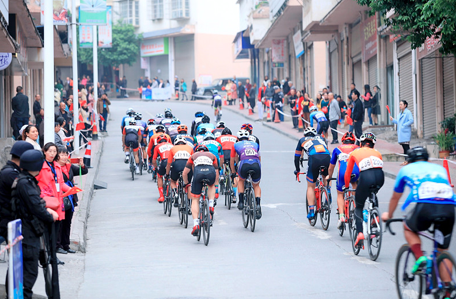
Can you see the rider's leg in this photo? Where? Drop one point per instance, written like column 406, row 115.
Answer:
column 241, row 193
column 341, row 203
column 136, row 157
column 311, row 193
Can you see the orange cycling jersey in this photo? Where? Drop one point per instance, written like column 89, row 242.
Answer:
column 366, row 158
column 153, row 142
column 180, row 152
column 163, row 150
column 227, row 141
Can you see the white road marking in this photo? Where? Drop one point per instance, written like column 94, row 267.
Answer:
column 275, row 205
column 276, row 151
column 361, row 259
column 320, row 234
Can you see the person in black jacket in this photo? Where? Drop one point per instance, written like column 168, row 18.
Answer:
column 37, row 110
column 31, row 209
column 241, row 93
column 358, row 114
column 21, row 114
column 8, row 174
column 194, row 89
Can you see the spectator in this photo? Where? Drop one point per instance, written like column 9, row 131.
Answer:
column 69, row 171
column 318, row 100
column 375, row 105
column 30, row 208
column 292, row 100
column 277, row 99
column 20, row 116
column 235, row 81
column 124, row 85
column 161, row 84
column 285, row 87
column 261, row 100
column 154, row 84
column 64, row 114
column 325, row 90
column 30, row 135
column 37, row 109
column 84, row 80
column 241, row 92
column 67, row 86
column 183, row 89
column 167, row 83
column 57, row 138
column 234, row 93
column 194, row 89
column 228, row 92
column 334, row 117
column 103, row 108
column 367, row 104
column 404, row 126
column 84, row 114
column 348, row 117
column 140, row 84
column 146, row 82
column 352, row 90
column 342, row 108
column 358, row 114
column 306, row 104
column 325, row 103
column 252, row 96
column 176, row 87
column 248, row 87
column 275, row 82
column 84, row 92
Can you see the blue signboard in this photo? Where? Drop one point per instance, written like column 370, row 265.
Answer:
column 15, row 272
column 147, row 94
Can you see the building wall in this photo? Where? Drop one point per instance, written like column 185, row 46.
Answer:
column 319, row 65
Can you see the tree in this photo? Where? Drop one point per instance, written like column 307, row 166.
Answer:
column 420, row 19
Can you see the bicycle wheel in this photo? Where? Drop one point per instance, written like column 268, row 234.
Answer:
column 201, row 208
column 447, row 269
column 141, row 162
column 407, row 284
column 253, row 206
column 206, row 227
column 132, row 165
column 169, row 199
column 313, row 221
column 180, row 209
column 228, row 198
column 325, row 210
column 374, row 240
column 352, row 227
column 245, row 211
column 185, row 210
column 165, row 205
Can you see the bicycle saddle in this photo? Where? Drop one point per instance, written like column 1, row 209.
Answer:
column 251, row 172
column 205, row 181
column 322, row 168
column 374, row 188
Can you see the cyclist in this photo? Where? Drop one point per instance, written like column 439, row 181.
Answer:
column 151, row 127
column 162, row 149
column 216, row 149
column 158, row 118
column 159, row 131
column 145, row 134
column 322, row 121
column 227, row 140
column 206, row 123
column 195, row 123
column 247, row 154
column 216, row 102
column 200, row 136
column 168, row 113
column 182, row 130
column 204, row 166
column 130, row 115
column 249, row 128
column 177, row 160
column 318, row 156
column 370, row 164
column 218, row 131
column 341, row 153
column 131, row 136
column 434, row 198
column 172, row 129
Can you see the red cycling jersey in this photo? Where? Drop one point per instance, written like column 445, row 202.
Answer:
column 227, row 141
column 163, row 150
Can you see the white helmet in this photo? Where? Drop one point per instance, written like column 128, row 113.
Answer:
column 310, row 130
column 243, row 134
column 313, row 108
column 180, row 138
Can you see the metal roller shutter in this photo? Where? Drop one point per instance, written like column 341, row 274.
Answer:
column 356, row 40
column 403, row 49
column 372, row 71
column 448, row 87
column 334, row 72
column 405, row 81
column 429, row 97
column 357, row 76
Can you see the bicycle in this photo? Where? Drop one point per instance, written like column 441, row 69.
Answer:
column 349, row 201
column 204, row 215
column 167, row 204
column 184, row 204
column 218, row 115
column 372, row 227
column 429, row 280
column 322, row 204
column 250, row 205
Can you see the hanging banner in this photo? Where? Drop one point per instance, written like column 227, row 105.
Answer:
column 299, row 47
column 161, row 93
column 92, row 12
column 278, row 50
column 16, row 268
column 59, row 12
column 5, row 60
column 85, row 37
column 105, row 32
column 154, row 47
column 369, row 38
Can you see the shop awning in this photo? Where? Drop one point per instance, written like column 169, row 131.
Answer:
column 242, row 45
column 28, row 28
column 344, row 12
column 283, row 24
column 171, row 32
column 7, row 42
column 320, row 33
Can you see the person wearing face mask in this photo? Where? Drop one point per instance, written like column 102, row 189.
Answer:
column 30, row 135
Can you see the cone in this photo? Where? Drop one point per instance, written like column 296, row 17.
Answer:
column 224, row 101
column 94, row 132
column 268, row 117
column 276, row 116
column 88, row 155
column 250, row 110
column 241, row 105
column 300, row 125
column 445, row 165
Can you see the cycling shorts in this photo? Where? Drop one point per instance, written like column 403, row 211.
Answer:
column 217, row 104
column 368, row 180
column 162, row 167
column 178, row 167
column 424, row 215
column 227, row 156
column 340, row 177
column 132, row 141
column 200, row 173
column 245, row 167
column 313, row 166
column 322, row 127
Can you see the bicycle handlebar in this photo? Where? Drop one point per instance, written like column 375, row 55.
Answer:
column 297, row 176
column 387, row 224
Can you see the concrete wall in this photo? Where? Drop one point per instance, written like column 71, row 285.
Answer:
column 320, row 65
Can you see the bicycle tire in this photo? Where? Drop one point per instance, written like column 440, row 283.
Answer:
column 253, row 206
column 245, row 211
column 452, row 274
column 376, row 230
column 200, row 216
column 403, row 291
column 141, row 161
column 228, row 195
column 165, row 205
column 325, row 209
column 352, row 228
column 169, row 199
column 132, row 165
column 185, row 211
column 207, row 223
column 313, row 221
column 180, row 209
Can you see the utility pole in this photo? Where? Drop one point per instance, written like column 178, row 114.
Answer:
column 48, row 72
column 75, row 76
column 95, row 76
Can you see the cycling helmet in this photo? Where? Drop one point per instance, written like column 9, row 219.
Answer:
column 313, row 108
column 200, row 148
column 180, row 139
column 176, row 121
column 182, row 128
column 130, row 111
column 226, row 131
column 132, row 122
column 160, row 128
column 202, row 131
column 168, row 110
column 168, row 114
column 310, row 132
column 247, row 127
column 138, row 116
column 209, row 136
column 243, row 134
column 162, row 138
column 348, row 138
column 205, row 119
column 221, row 124
column 417, row 153
column 368, row 136
column 159, row 115
column 150, row 121
column 199, row 114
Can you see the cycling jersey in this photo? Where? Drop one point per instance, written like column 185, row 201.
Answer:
column 208, row 126
column 204, row 165
column 341, row 153
column 199, row 138
column 126, row 120
column 365, row 158
column 217, row 132
column 180, row 152
column 153, row 142
column 318, row 116
column 202, row 159
column 255, row 139
column 158, row 120
column 227, row 141
column 172, row 131
column 131, row 136
column 249, row 159
column 428, row 183
column 144, row 130
column 195, row 124
column 214, row 147
column 163, row 150
column 312, row 146
column 166, row 122
column 190, row 139
column 151, row 130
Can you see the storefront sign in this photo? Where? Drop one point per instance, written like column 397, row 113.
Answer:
column 430, row 45
column 85, row 37
column 5, row 60
column 154, row 47
column 59, row 12
column 394, row 37
column 369, row 38
column 278, row 50
column 299, row 48
column 105, row 32
column 92, row 12
column 278, row 64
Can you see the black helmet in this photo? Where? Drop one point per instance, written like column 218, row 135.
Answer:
column 168, row 114
column 205, row 119
column 160, row 128
column 417, row 153
column 226, row 131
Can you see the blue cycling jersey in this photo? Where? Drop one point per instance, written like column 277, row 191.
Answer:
column 342, row 153
column 126, row 119
column 318, row 116
column 209, row 127
column 214, row 147
column 428, row 183
column 312, row 146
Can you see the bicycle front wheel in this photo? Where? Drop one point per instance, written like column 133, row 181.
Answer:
column 352, row 227
column 325, row 210
column 201, row 208
column 245, row 211
column 132, row 165
column 206, row 226
column 228, row 188
column 253, row 207
column 408, row 286
column 374, row 240
column 165, row 204
column 447, row 272
column 169, row 199
column 180, row 210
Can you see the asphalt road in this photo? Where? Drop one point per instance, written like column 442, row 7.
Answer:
column 134, row 251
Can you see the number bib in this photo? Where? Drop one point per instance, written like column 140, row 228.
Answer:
column 369, row 163
column 343, row 157
column 164, row 148
column 202, row 160
column 227, row 139
column 181, row 155
column 432, row 190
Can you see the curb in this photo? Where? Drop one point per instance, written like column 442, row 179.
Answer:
column 78, row 235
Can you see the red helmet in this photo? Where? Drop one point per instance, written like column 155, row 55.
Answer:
column 247, row 127
column 182, row 128
column 201, row 147
column 348, row 138
column 162, row 138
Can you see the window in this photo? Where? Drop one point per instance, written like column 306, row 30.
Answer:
column 180, row 9
column 157, row 10
column 129, row 12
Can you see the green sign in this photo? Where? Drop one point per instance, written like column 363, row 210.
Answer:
column 92, row 12
column 278, row 64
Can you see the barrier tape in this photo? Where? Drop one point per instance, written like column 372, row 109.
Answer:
column 15, row 241
column 70, row 153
